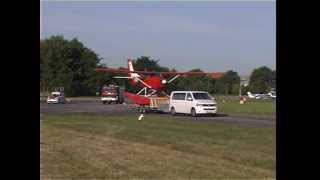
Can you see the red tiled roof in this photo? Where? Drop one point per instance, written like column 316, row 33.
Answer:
column 216, row 75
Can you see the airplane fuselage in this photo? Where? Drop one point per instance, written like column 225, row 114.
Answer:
column 155, row 83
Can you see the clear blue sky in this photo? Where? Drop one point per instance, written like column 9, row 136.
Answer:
column 213, row 36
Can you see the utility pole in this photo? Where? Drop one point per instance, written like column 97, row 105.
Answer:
column 240, row 89
column 242, row 101
column 241, row 80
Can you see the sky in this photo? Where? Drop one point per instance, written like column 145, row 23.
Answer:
column 212, row 36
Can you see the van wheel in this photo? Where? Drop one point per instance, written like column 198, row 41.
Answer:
column 104, row 102
column 193, row 112
column 172, row 111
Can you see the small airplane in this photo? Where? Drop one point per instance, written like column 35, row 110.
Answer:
column 261, row 96
column 272, row 94
column 152, row 83
column 253, row 96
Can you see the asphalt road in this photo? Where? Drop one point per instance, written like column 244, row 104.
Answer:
column 96, row 107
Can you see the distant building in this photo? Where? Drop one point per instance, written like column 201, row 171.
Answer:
column 245, row 80
column 216, row 75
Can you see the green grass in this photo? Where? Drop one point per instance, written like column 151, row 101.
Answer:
column 260, row 108
column 102, row 147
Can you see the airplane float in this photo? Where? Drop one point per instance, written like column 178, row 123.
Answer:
column 153, row 84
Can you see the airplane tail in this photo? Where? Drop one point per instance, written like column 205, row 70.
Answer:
column 130, row 67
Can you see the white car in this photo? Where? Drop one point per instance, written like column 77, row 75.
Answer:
column 55, row 98
column 192, row 102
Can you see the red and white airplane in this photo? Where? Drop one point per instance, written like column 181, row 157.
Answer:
column 152, row 83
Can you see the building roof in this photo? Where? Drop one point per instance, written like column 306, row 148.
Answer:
column 216, row 75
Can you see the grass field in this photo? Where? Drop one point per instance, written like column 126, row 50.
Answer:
column 260, row 108
column 102, row 147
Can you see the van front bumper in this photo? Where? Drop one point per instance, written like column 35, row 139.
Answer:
column 206, row 110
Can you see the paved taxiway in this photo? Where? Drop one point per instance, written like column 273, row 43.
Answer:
column 96, row 107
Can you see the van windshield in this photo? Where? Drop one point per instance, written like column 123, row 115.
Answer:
column 201, row 96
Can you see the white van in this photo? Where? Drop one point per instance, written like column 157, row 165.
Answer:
column 56, row 98
column 192, row 102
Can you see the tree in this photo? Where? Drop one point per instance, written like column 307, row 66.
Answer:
column 146, row 63
column 262, row 80
column 273, row 79
column 193, row 83
column 70, row 64
column 228, row 84
column 219, row 87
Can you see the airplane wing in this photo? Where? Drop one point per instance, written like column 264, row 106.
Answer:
column 111, row 70
column 214, row 75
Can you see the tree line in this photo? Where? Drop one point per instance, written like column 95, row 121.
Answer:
column 70, row 64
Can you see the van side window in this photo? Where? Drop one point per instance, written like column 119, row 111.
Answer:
column 189, row 96
column 179, row 96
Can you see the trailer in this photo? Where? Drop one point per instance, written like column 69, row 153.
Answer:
column 148, row 103
column 159, row 104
